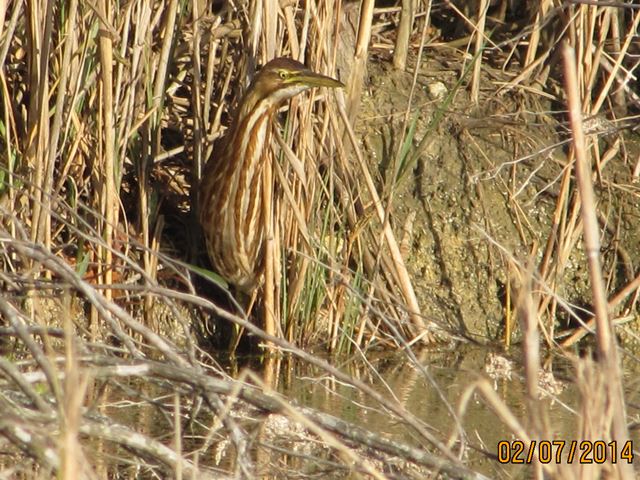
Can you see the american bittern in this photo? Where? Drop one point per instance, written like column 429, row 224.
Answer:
column 232, row 183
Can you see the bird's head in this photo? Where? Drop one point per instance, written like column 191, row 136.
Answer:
column 283, row 78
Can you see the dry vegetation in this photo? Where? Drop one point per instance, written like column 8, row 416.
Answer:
column 108, row 309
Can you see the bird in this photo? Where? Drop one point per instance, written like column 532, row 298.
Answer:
column 230, row 192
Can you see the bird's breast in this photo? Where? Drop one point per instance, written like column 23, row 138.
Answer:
column 231, row 197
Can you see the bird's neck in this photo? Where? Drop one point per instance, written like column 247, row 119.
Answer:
column 251, row 131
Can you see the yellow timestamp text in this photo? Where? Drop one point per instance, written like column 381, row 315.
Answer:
column 562, row 451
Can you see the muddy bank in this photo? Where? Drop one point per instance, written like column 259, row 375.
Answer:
column 482, row 196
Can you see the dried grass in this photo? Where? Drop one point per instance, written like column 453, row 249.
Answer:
column 109, row 112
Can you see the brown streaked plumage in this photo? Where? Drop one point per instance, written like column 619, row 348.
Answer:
column 231, row 186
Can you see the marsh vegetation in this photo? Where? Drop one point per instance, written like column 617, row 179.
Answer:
column 453, row 249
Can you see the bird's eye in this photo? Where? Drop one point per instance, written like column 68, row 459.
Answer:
column 283, row 74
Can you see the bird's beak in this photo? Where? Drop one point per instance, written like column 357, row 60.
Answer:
column 313, row 79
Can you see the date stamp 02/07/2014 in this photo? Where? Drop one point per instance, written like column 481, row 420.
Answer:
column 563, row 451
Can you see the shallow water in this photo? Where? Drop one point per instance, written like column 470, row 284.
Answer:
column 439, row 387
column 434, row 391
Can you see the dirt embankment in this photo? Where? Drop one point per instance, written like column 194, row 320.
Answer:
column 486, row 189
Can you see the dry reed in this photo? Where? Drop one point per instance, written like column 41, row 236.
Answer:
column 109, row 112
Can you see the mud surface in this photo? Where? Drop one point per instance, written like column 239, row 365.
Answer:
column 482, row 195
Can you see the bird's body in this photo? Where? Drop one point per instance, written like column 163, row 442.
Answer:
column 231, row 190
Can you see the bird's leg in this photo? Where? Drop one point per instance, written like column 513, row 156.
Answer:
column 250, row 302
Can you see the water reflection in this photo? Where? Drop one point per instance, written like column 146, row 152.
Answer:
column 432, row 388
